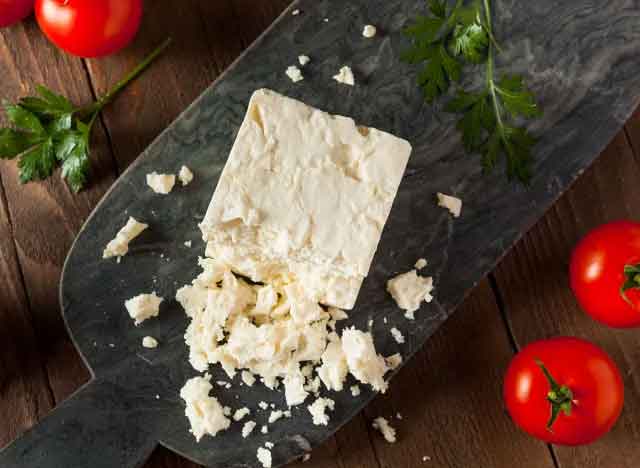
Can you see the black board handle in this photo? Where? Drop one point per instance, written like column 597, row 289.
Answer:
column 97, row 427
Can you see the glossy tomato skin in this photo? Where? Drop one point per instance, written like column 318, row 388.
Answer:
column 591, row 375
column 12, row 11
column 597, row 271
column 89, row 28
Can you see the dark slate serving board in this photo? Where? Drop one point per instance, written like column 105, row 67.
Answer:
column 581, row 58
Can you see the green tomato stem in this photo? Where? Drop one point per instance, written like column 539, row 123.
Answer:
column 560, row 397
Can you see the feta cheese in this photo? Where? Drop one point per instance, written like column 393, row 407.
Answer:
column 204, row 412
column 420, row 263
column 369, row 31
column 269, row 445
column 295, row 12
column 248, row 428
column 271, row 215
column 187, row 243
column 303, row 59
column 119, row 246
column 274, row 416
column 345, row 76
column 264, row 429
column 294, row 390
column 161, row 183
column 143, row 307
column 294, row 73
column 149, row 342
column 355, row 390
column 263, row 405
column 397, row 335
column 248, row 378
column 393, row 361
column 453, row 204
column 409, row 290
column 241, row 413
column 318, row 408
column 363, row 361
column 333, row 371
column 399, row 416
column 383, row 426
column 264, row 457
column 185, row 176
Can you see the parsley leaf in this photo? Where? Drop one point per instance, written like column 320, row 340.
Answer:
column 470, row 41
column 516, row 98
column 49, row 131
column 439, row 71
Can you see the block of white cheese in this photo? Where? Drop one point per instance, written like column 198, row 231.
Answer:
column 304, row 196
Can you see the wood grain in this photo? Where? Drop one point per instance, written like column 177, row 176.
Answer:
column 539, row 303
column 46, row 216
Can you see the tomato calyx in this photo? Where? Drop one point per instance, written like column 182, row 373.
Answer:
column 631, row 280
column 560, row 396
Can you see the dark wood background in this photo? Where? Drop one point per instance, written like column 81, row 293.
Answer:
column 449, row 395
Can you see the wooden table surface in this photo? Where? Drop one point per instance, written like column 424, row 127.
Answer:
column 449, row 395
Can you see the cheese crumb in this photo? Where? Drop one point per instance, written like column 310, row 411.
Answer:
column 383, row 426
column 263, row 405
column 393, row 361
column 248, row 378
column 269, row 445
column 399, row 416
column 241, row 413
column 409, row 290
column 204, row 412
column 369, row 31
column 333, row 371
column 318, row 408
column 264, row 429
column 345, row 76
column 264, row 457
column 453, row 204
column 119, row 246
column 304, row 59
column 185, row 176
column 397, row 335
column 295, row 12
column 362, row 360
column 420, row 263
column 149, row 342
column 306, row 457
column 248, row 428
column 355, row 390
column 294, row 74
column 426, row 458
column 187, row 243
column 161, row 183
column 274, row 416
column 143, row 307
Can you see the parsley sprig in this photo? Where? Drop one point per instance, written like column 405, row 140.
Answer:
column 48, row 130
column 444, row 42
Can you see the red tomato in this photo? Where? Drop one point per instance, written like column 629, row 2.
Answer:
column 12, row 11
column 89, row 28
column 606, row 259
column 588, row 391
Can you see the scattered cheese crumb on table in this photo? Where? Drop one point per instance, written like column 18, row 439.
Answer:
column 409, row 290
column 149, row 342
column 399, row 416
column 143, row 307
column 394, row 361
column 304, row 59
column 264, row 457
column 274, row 416
column 269, row 445
column 264, row 429
column 453, row 204
column 119, row 245
column 185, row 176
column 397, row 335
column 383, row 426
column 294, row 73
column 369, row 31
column 355, row 390
column 295, row 12
column 318, row 408
column 204, row 412
column 263, row 405
column 161, row 183
column 421, row 263
column 241, row 413
column 248, row 428
column 187, row 243
column 345, row 76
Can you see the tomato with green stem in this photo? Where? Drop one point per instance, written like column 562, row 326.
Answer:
column 12, row 11
column 89, row 28
column 564, row 390
column 605, row 274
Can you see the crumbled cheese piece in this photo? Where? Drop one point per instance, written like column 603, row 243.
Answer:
column 204, row 412
column 345, row 76
column 263, row 405
column 426, row 458
column 119, row 246
column 264, row 457
column 269, row 445
column 399, row 416
column 248, row 428
column 453, row 204
column 318, row 408
column 388, row 432
column 246, row 227
column 143, row 307
column 369, row 31
column 241, row 413
column 364, row 363
column 187, row 243
column 306, row 457
column 226, row 410
column 304, row 59
column 287, row 413
column 393, row 361
column 294, row 390
column 420, row 263
column 355, row 390
column 294, row 74
column 221, row 383
column 397, row 335
column 264, row 429
column 248, row 378
column 185, row 176
column 295, row 12
column 274, row 416
column 409, row 290
column 333, row 371
column 161, row 183
column 149, row 342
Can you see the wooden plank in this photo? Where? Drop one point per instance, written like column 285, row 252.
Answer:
column 46, row 216
column 533, row 280
column 449, row 398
